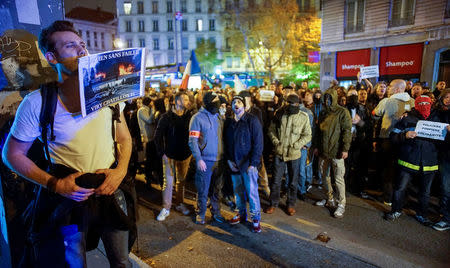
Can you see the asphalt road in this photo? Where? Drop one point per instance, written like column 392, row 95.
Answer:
column 361, row 239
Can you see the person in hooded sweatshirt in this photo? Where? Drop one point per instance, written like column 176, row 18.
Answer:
column 417, row 157
column 331, row 141
column 390, row 110
column 206, row 144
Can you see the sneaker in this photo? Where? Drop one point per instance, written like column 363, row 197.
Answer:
column 389, row 204
column 392, row 216
column 183, row 209
column 256, row 226
column 327, row 203
column 441, row 226
column 339, row 212
column 218, row 218
column 199, row 220
column 423, row 220
column 309, row 188
column 163, row 214
column 237, row 219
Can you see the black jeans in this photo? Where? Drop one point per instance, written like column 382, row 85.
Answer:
column 279, row 166
column 403, row 179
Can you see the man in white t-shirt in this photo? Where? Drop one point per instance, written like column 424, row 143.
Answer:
column 82, row 144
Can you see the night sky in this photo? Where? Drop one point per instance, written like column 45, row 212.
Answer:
column 106, row 5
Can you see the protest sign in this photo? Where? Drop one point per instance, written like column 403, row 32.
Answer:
column 369, row 71
column 431, row 130
column 110, row 77
column 266, row 95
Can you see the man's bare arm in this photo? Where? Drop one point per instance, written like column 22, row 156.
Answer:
column 15, row 157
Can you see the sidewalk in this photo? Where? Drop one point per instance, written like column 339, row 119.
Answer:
column 97, row 259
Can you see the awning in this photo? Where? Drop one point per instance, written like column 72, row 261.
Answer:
column 349, row 62
column 401, row 60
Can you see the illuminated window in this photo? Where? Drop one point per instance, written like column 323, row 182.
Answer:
column 199, row 25
column 127, row 8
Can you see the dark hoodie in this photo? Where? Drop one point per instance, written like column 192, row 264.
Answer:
column 333, row 135
column 444, row 117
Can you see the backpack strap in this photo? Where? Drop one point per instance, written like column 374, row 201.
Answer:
column 115, row 119
column 49, row 94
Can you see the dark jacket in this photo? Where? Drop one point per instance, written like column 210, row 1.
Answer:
column 417, row 152
column 364, row 129
column 172, row 135
column 333, row 135
column 243, row 141
column 444, row 117
column 254, row 110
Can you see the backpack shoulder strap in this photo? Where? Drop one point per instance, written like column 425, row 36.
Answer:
column 49, row 95
column 115, row 118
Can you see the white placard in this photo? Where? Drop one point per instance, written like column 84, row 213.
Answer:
column 28, row 11
column 266, row 95
column 369, row 71
column 431, row 130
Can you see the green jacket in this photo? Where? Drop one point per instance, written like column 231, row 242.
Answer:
column 289, row 133
column 333, row 135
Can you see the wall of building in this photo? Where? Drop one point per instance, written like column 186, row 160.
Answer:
column 109, row 33
column 429, row 27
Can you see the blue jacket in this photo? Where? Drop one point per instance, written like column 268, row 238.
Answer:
column 243, row 141
column 205, row 136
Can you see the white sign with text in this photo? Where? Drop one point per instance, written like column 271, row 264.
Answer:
column 369, row 71
column 431, row 130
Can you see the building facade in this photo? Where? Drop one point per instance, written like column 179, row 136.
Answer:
column 153, row 24
column 98, row 28
column 407, row 39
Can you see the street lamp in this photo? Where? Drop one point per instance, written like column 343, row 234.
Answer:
column 118, row 43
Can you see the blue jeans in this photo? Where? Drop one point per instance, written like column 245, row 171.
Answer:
column 203, row 180
column 115, row 242
column 305, row 172
column 445, row 186
column 245, row 187
column 278, row 171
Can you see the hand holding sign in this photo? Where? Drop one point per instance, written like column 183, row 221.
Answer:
column 432, row 130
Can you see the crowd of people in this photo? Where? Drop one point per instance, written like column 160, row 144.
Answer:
column 360, row 138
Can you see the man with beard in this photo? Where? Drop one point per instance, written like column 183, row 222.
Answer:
column 243, row 150
column 171, row 139
column 289, row 132
column 205, row 142
column 77, row 145
column 332, row 143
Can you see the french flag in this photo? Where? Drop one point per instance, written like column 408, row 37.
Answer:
column 192, row 67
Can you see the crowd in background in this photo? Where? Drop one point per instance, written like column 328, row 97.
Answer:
column 362, row 138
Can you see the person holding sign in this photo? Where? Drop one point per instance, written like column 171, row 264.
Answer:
column 417, row 157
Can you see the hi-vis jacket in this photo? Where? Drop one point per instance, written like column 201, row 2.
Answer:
column 418, row 153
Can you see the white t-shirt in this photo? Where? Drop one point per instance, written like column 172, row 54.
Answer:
column 84, row 144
